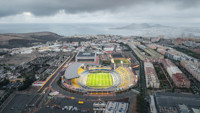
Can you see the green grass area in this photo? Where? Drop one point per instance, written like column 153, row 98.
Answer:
column 125, row 61
column 99, row 80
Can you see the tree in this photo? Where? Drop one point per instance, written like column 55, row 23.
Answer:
column 4, row 82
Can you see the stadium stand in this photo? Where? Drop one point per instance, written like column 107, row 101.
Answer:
column 72, row 71
column 121, row 78
column 80, row 70
column 116, row 79
column 103, row 69
column 125, row 74
column 83, row 78
column 75, row 83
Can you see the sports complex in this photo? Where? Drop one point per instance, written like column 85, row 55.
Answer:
column 97, row 79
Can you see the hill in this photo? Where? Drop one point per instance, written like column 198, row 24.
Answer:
column 141, row 26
column 14, row 40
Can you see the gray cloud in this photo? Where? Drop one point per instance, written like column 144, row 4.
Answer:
column 51, row 7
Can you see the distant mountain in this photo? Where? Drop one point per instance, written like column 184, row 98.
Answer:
column 13, row 40
column 141, row 26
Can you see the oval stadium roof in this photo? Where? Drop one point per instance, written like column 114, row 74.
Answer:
column 72, row 71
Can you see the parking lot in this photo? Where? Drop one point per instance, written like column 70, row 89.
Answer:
column 19, row 103
column 63, row 105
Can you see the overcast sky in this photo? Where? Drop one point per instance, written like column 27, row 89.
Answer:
column 100, row 11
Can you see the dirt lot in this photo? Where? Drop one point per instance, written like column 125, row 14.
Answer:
column 17, row 59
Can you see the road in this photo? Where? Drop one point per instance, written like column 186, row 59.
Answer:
column 142, row 84
column 52, row 77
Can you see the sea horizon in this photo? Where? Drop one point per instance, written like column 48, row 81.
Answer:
column 95, row 29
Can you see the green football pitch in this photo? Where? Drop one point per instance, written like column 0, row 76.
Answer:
column 99, row 80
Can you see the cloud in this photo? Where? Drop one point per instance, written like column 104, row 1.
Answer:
column 50, row 7
column 83, row 11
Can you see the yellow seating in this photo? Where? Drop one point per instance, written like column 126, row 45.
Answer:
column 80, row 70
column 93, row 68
column 74, row 82
column 124, row 74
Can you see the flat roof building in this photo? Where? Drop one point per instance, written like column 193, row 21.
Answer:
column 167, row 102
column 117, row 55
column 86, row 57
column 179, row 79
column 151, row 76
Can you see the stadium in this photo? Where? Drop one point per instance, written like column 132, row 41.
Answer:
column 97, row 79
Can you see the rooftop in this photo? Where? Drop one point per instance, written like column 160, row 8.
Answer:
column 72, row 71
column 117, row 55
column 85, row 54
column 173, row 99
